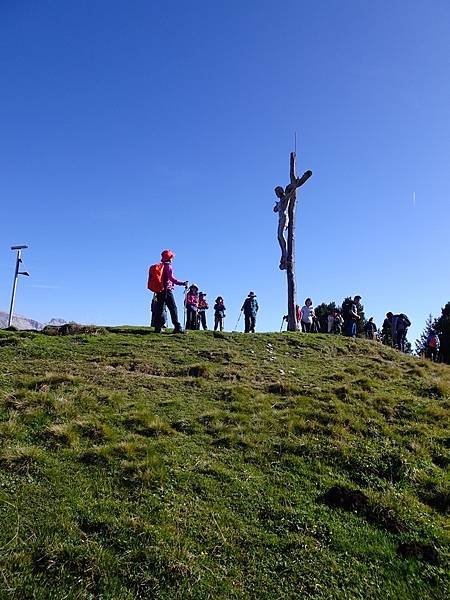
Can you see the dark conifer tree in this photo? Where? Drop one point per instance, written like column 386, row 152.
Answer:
column 442, row 327
column 362, row 320
column 322, row 311
column 408, row 347
column 421, row 342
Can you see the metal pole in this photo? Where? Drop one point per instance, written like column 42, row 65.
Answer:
column 13, row 296
column 16, row 276
column 237, row 322
column 184, row 307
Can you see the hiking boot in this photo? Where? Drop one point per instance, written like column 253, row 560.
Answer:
column 157, row 330
column 178, row 330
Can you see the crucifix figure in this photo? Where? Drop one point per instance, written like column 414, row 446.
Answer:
column 282, row 208
column 285, row 207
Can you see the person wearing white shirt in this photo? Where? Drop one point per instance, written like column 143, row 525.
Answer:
column 308, row 315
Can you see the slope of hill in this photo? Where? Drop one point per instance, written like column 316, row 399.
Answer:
column 221, row 466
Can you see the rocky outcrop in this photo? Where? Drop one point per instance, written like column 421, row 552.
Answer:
column 73, row 329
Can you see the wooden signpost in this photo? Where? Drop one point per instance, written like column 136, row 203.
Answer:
column 286, row 209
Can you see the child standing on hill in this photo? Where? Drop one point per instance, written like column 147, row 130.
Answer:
column 219, row 313
column 191, row 307
column 202, row 308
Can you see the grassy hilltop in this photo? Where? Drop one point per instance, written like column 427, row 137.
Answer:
column 268, row 466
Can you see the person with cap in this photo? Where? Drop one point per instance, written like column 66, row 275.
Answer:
column 165, row 297
column 192, row 306
column 250, row 309
column 202, row 308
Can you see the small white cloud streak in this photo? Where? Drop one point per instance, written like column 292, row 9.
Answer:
column 45, row 287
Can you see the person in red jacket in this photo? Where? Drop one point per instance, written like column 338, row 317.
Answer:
column 166, row 296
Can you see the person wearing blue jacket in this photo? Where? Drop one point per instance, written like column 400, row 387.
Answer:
column 250, row 309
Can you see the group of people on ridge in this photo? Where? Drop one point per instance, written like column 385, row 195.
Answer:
column 345, row 320
column 338, row 321
column 196, row 307
column 161, row 282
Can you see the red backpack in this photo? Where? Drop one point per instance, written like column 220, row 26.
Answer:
column 432, row 342
column 155, row 278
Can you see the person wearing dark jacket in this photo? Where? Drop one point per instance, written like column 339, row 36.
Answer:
column 399, row 324
column 351, row 316
column 219, row 313
column 250, row 309
column 370, row 329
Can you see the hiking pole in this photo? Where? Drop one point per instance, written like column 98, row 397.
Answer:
column 184, row 307
column 282, row 323
column 237, row 322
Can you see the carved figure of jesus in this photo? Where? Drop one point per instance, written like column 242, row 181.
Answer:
column 281, row 207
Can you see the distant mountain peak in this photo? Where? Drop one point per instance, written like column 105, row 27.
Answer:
column 25, row 323
column 57, row 322
column 19, row 322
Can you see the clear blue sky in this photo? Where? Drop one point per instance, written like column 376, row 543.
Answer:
column 129, row 127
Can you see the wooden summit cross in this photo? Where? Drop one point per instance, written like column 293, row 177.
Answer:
column 285, row 207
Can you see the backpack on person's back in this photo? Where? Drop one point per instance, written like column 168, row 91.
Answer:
column 433, row 341
column 347, row 309
column 250, row 306
column 155, row 281
column 403, row 321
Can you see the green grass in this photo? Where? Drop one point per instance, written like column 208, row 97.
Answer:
column 141, row 466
